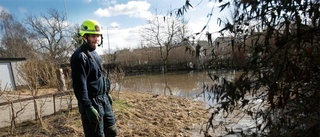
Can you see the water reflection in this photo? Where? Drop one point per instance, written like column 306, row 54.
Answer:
column 187, row 85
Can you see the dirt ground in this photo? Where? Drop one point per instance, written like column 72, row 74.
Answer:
column 137, row 114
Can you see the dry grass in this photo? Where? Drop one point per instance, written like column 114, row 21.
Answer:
column 137, row 114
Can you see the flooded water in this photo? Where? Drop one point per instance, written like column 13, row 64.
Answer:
column 187, row 85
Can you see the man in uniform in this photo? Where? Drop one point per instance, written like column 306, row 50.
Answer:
column 90, row 84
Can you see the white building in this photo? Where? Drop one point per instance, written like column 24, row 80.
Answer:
column 9, row 76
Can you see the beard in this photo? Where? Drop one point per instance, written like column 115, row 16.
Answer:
column 92, row 45
column 91, row 42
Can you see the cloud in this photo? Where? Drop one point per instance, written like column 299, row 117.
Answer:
column 87, row 1
column 138, row 9
column 23, row 10
column 115, row 24
column 213, row 4
column 107, row 2
column 120, row 39
column 3, row 8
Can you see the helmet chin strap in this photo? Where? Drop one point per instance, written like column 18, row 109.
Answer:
column 101, row 42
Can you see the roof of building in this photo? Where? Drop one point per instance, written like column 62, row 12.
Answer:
column 11, row 59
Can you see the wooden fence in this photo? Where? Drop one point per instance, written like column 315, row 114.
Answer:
column 23, row 109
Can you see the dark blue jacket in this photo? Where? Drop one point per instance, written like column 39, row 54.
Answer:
column 84, row 71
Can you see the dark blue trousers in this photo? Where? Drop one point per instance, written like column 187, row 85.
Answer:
column 106, row 127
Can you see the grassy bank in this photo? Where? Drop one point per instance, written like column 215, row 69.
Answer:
column 137, row 114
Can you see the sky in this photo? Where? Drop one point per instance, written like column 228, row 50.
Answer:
column 121, row 20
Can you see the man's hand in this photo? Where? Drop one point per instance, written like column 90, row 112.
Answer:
column 93, row 115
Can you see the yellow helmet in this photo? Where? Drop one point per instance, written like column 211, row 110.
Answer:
column 90, row 27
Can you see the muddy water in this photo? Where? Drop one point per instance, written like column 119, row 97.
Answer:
column 187, row 85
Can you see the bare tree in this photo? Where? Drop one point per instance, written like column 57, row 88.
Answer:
column 76, row 39
column 51, row 35
column 164, row 32
column 14, row 37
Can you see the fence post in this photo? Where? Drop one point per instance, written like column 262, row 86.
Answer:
column 54, row 104
column 13, row 118
column 35, row 108
column 70, row 103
